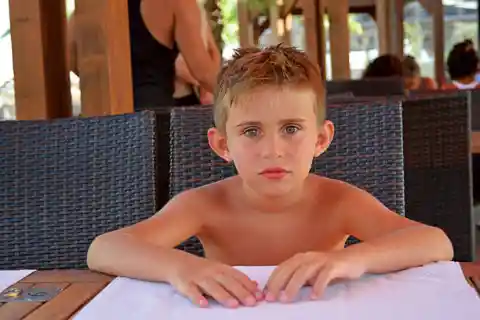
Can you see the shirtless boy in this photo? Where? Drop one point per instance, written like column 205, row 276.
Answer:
column 270, row 121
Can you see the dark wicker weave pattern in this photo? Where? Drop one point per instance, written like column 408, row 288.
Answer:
column 66, row 181
column 367, row 152
column 438, row 168
column 473, row 94
column 162, row 156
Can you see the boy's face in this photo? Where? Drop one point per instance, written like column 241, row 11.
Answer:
column 272, row 136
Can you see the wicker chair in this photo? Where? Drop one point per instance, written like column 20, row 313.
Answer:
column 68, row 180
column 367, row 152
column 373, row 87
column 438, row 173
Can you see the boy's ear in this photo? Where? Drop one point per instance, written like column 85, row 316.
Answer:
column 324, row 137
column 218, row 143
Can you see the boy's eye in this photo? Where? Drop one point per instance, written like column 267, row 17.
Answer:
column 291, row 129
column 250, row 132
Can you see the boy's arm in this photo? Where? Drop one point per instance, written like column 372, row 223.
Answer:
column 145, row 250
column 390, row 242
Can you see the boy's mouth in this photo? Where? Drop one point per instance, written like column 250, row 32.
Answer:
column 274, row 173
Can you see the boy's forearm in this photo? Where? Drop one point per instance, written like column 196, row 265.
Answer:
column 405, row 248
column 123, row 255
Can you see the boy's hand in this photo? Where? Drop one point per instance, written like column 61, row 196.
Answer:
column 197, row 278
column 317, row 269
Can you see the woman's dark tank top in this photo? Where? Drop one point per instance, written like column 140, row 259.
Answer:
column 153, row 64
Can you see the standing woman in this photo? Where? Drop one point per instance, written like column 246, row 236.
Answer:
column 159, row 31
column 187, row 90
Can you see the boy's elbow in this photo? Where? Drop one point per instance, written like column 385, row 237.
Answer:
column 445, row 251
column 94, row 253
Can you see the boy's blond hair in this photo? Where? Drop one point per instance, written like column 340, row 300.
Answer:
column 277, row 66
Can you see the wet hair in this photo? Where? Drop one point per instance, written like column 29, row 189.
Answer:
column 462, row 60
column 277, row 66
column 386, row 65
column 410, row 67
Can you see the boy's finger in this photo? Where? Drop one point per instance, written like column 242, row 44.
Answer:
column 237, row 289
column 249, row 284
column 193, row 293
column 279, row 279
column 323, row 279
column 298, row 280
column 218, row 292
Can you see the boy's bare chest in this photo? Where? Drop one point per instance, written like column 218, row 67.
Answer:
column 269, row 240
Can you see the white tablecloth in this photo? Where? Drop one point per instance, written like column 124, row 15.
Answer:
column 9, row 277
column 436, row 291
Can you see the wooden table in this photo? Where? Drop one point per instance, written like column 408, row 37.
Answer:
column 81, row 286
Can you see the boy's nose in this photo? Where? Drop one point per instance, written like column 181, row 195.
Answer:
column 273, row 147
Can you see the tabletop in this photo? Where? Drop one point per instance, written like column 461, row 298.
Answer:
column 78, row 287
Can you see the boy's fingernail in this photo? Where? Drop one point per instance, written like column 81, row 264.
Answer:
column 203, row 303
column 283, row 297
column 232, row 303
column 314, row 296
column 259, row 295
column 270, row 297
column 250, row 301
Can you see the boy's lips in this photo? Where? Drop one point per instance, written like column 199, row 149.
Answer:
column 274, row 173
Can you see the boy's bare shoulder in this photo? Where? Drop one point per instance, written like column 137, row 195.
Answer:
column 335, row 190
column 209, row 195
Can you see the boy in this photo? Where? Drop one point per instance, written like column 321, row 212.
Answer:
column 270, row 121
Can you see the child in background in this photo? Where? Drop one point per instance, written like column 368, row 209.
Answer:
column 462, row 63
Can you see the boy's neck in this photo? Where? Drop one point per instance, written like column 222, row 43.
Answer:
column 272, row 204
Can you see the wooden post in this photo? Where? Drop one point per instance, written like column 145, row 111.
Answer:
column 42, row 86
column 439, row 41
column 383, row 19
column 313, row 11
column 310, row 27
column 397, row 33
column 245, row 25
column 321, row 39
column 275, row 28
column 339, row 38
column 103, row 56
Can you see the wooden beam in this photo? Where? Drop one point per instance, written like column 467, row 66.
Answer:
column 245, row 25
column 397, row 32
column 42, row 86
column 103, row 55
column 438, row 41
column 321, row 38
column 383, row 19
column 339, row 38
column 309, row 9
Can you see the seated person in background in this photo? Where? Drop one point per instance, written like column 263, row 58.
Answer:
column 413, row 78
column 269, row 115
column 384, row 66
column 187, row 89
column 462, row 63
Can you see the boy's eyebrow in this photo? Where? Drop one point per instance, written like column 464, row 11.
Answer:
column 249, row 123
column 297, row 120
column 258, row 123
